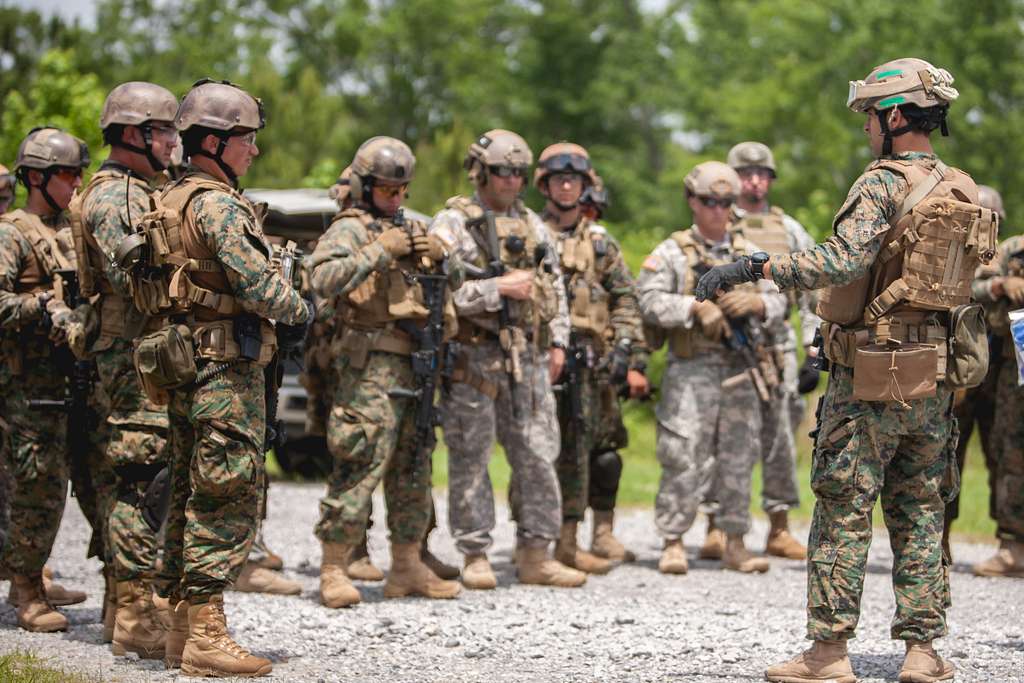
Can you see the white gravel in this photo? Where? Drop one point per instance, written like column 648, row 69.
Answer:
column 631, row 625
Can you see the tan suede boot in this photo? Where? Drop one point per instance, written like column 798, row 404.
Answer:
column 569, row 553
column 477, row 573
column 714, row 542
column 1008, row 561
column 361, row 567
column 58, row 595
column 34, row 612
column 923, row 664
column 410, row 576
column 255, row 578
column 738, row 558
column 109, row 605
column 210, row 651
column 673, row 558
column 137, row 628
column 826, row 661
column 336, row 590
column 535, row 566
column 442, row 569
column 780, row 542
column 604, row 544
column 177, row 634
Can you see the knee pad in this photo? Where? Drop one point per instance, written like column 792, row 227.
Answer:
column 606, row 467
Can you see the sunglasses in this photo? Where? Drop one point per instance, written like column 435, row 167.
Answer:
column 508, row 171
column 68, row 173
column 712, row 202
column 391, row 191
column 164, row 131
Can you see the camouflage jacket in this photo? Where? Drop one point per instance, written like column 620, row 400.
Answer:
column 1009, row 261
column 20, row 310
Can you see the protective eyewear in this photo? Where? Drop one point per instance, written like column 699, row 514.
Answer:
column 164, row 131
column 567, row 163
column 7, row 180
column 68, row 173
column 713, row 202
column 508, row 171
column 247, row 138
column 391, row 191
column 751, row 171
column 559, row 178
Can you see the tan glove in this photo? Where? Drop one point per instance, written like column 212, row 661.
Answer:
column 741, row 304
column 430, row 246
column 1013, row 288
column 711, row 320
column 60, row 319
column 396, row 242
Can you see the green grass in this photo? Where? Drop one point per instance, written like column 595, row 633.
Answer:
column 26, row 667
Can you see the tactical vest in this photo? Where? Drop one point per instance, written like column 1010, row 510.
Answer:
column 118, row 319
column 51, row 251
column 687, row 342
column 584, row 264
column 939, row 236
column 766, row 230
column 518, row 244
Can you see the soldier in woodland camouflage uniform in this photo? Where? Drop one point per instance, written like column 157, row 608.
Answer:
column 222, row 293
column 366, row 262
column 483, row 402
column 899, row 270
column 606, row 332
column 38, row 328
column 709, row 420
column 1004, row 445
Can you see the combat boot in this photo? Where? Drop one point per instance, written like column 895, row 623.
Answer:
column 568, row 553
column 210, row 651
column 410, row 576
column 714, row 542
column 924, row 665
column 336, row 590
column 1008, row 561
column 361, row 567
column 536, row 567
column 109, row 605
column 255, row 578
column 604, row 544
column 177, row 634
column 137, row 627
column 268, row 559
column 58, row 595
column 442, row 569
column 477, row 573
column 780, row 542
column 673, row 558
column 34, row 612
column 826, row 661
column 739, row 559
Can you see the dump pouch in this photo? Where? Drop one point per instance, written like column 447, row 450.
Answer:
column 967, row 360
column 895, row 372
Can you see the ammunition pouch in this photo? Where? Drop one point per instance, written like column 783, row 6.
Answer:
column 164, row 360
column 246, row 337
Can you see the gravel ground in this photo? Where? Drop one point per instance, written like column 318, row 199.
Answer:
column 632, row 625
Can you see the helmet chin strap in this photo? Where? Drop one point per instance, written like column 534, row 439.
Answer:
column 47, row 174
column 218, row 158
column 883, row 124
column 147, row 149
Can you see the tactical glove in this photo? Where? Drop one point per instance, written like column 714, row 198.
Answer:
column 1013, row 288
column 396, row 242
column 724, row 277
column 741, row 304
column 430, row 246
column 60, row 317
column 807, row 379
column 618, row 364
column 291, row 337
column 711, row 320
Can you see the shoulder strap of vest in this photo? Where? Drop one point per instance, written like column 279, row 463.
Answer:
column 37, row 234
column 467, row 206
column 691, row 250
column 362, row 215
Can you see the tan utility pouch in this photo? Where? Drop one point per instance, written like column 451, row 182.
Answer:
column 654, row 336
column 216, row 341
column 589, row 309
column 967, row 361
column 164, row 360
column 895, row 372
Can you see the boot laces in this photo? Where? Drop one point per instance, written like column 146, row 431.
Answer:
column 219, row 637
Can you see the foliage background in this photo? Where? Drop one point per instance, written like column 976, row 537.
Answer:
column 649, row 86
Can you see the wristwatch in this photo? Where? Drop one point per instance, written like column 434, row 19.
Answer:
column 757, row 261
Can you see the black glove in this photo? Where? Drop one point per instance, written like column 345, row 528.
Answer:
column 618, row 365
column 724, row 277
column 807, row 379
column 291, row 337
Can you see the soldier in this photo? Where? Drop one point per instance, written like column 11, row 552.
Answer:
column 219, row 287
column 997, row 406
column 709, row 420
column 898, row 271
column 513, row 328
column 6, row 189
column 605, row 333
column 770, row 228
column 38, row 327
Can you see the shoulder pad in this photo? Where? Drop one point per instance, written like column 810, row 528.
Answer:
column 362, row 215
column 777, row 211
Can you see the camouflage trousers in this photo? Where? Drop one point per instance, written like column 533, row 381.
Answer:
column 605, row 461
column 863, row 450
column 35, row 455
column 779, row 488
column 529, row 435
column 709, row 436
column 136, row 452
column 1008, row 482
column 372, row 437
column 217, row 470
column 578, row 436
column 93, row 484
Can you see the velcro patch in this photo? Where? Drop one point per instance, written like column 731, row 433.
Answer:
column 652, row 262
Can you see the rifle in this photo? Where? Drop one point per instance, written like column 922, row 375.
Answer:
column 273, row 374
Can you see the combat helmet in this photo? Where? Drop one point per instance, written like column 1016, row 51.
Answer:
column 341, row 190
column 47, row 149
column 6, row 179
column 712, row 179
column 922, row 92
column 751, row 154
column 137, row 103
column 498, row 148
column 563, row 157
column 381, row 158
column 990, row 198
column 218, row 108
